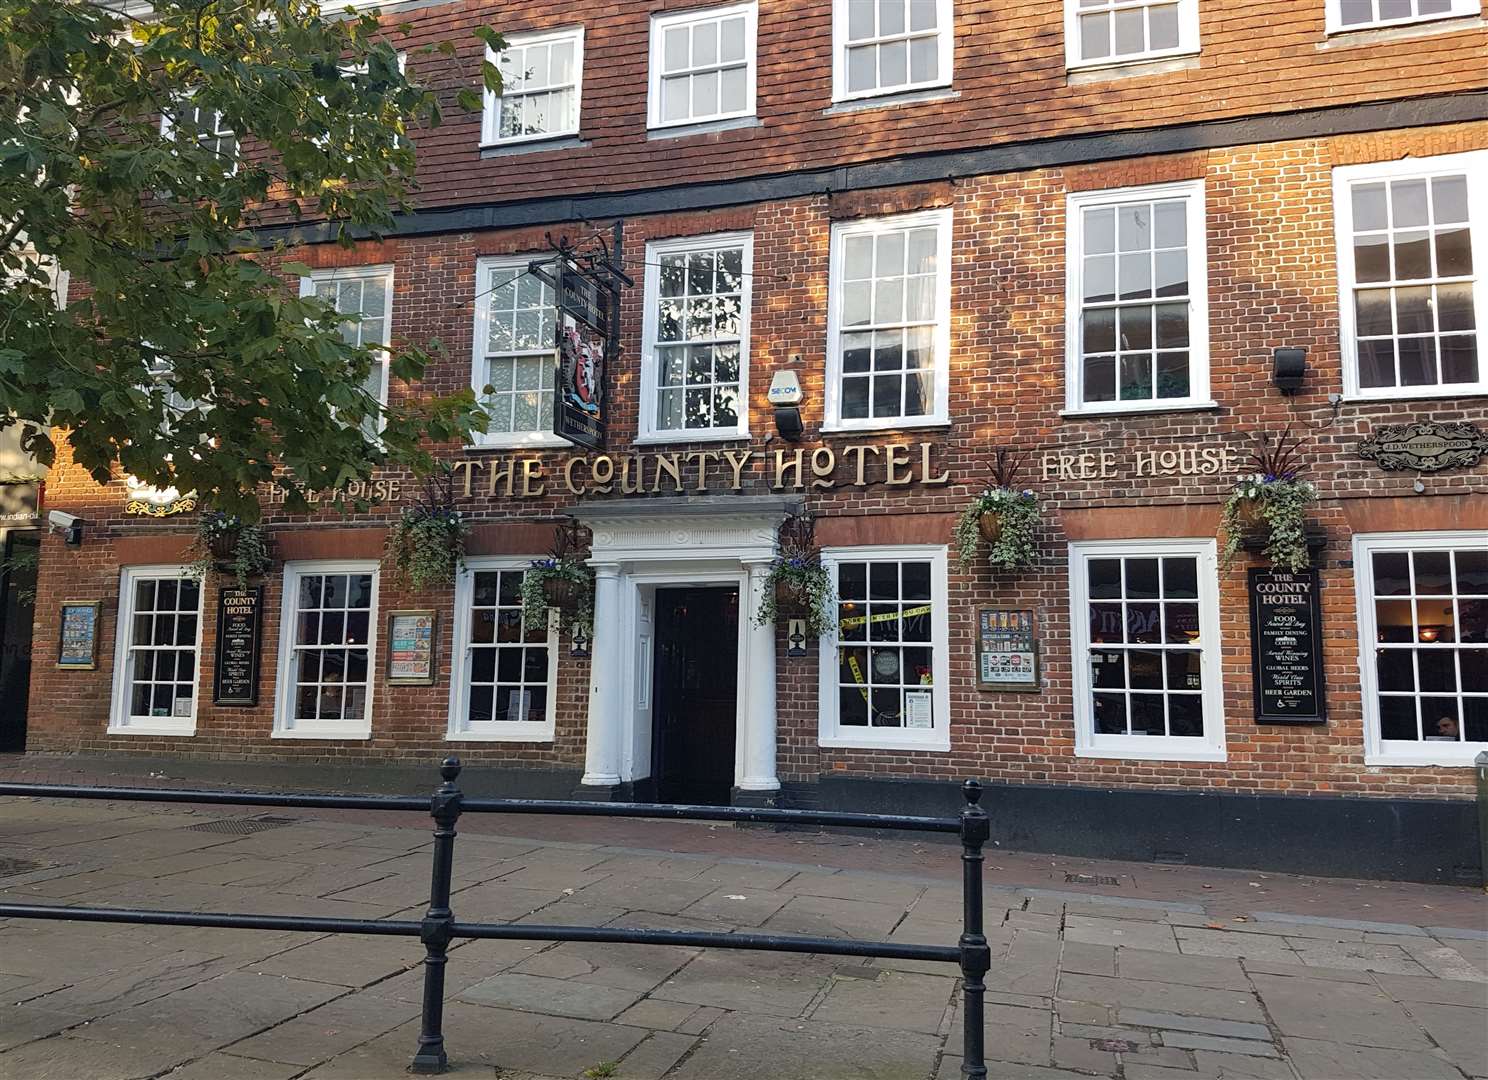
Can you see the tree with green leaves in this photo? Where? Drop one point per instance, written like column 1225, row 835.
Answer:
column 162, row 155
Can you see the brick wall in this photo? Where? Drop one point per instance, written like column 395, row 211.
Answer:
column 1272, row 281
column 1257, row 57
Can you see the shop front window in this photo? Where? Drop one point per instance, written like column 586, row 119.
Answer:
column 1147, row 658
column 885, row 683
column 328, row 649
column 159, row 642
column 1424, row 629
column 507, row 676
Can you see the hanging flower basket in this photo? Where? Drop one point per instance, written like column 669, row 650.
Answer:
column 989, row 524
column 562, row 593
column 1250, row 514
column 1273, row 502
column 791, row 597
column 223, row 544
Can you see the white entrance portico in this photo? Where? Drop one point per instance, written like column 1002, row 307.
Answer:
column 640, row 546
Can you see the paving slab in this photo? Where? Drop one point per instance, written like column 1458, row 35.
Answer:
column 1241, row 1066
column 322, row 1033
column 70, row 1058
column 1187, row 1040
column 1201, row 941
column 658, row 1015
column 738, row 904
column 772, row 985
column 231, row 1067
column 1343, row 1012
column 1030, row 966
column 1153, row 936
column 1439, row 991
column 1232, row 1029
column 1356, row 955
column 553, row 997
column 758, row 1048
column 656, row 1056
column 1161, row 997
column 1460, row 1032
column 1320, row 1059
column 1012, row 1034
column 23, row 1023
column 345, row 961
column 894, row 1000
column 1217, row 972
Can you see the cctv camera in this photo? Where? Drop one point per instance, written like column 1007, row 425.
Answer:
column 60, row 519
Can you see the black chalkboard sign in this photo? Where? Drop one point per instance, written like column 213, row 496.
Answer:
column 1286, row 647
column 239, row 624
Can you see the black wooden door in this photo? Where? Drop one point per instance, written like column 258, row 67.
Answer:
column 696, row 681
column 17, row 608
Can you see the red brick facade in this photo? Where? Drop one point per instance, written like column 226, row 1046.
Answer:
column 1273, row 281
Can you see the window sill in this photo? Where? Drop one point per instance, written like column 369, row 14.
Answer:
column 152, row 730
column 1167, row 752
column 1462, row 759
column 890, row 424
column 935, row 744
column 681, row 438
column 1343, row 37
column 515, row 735
column 704, row 127
column 1139, row 410
column 1083, row 74
column 348, row 734
column 893, row 99
column 550, row 442
column 1389, row 395
column 533, row 146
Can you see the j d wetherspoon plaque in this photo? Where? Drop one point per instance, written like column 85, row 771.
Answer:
column 1286, row 647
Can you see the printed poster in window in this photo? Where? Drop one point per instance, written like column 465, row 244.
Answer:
column 919, row 713
column 411, row 648
column 1007, row 650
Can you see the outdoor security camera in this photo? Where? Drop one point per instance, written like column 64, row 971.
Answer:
column 70, row 524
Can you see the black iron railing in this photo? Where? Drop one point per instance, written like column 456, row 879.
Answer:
column 439, row 927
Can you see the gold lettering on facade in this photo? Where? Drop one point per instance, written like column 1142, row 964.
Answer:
column 700, row 459
column 532, row 472
column 668, row 464
column 862, row 451
column 782, row 467
column 602, row 471
column 495, row 476
column 629, row 485
column 737, row 460
column 568, row 478
column 896, row 457
column 469, row 467
column 823, row 465
column 925, row 470
column 1063, row 465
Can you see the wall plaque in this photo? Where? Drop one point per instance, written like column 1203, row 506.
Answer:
column 1286, row 647
column 410, row 660
column 1007, row 650
column 1425, row 446
column 77, row 644
column 239, row 629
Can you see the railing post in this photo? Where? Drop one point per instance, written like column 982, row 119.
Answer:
column 976, row 957
column 435, row 932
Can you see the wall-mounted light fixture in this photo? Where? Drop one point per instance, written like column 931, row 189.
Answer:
column 785, row 395
column 1288, row 369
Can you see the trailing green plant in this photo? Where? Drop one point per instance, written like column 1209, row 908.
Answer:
column 1014, row 545
column 226, row 542
column 797, row 573
column 569, row 576
column 1273, row 496
column 427, row 544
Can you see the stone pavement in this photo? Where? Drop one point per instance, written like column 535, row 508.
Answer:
column 1095, row 978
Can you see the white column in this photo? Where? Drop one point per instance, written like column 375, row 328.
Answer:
column 758, row 737
column 602, row 751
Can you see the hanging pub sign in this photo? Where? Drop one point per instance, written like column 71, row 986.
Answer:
column 239, row 629
column 1286, row 647
column 583, row 352
column 1007, row 650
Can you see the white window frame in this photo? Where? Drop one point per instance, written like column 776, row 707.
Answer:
column 662, row 21
column 1211, row 665
column 120, row 722
column 1474, row 163
column 491, row 101
column 484, row 266
column 1188, row 37
column 285, row 725
column 1376, row 751
column 937, row 738
column 1335, row 25
column 365, row 273
column 1198, row 296
column 940, row 414
column 168, row 129
column 945, row 31
column 650, row 429
column 504, row 730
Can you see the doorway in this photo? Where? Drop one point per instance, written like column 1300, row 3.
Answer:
column 696, row 681
column 19, row 551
